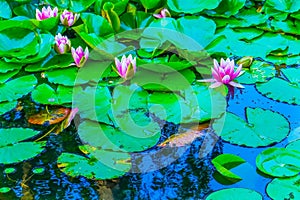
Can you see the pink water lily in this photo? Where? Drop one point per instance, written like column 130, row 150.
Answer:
column 68, row 18
column 163, row 14
column 126, row 68
column 46, row 13
column 80, row 56
column 224, row 74
column 62, row 44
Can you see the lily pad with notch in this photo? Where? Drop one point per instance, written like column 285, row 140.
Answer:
column 257, row 130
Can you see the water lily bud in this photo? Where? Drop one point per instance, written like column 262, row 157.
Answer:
column 245, row 61
column 68, row 18
column 62, row 44
column 46, row 13
column 80, row 56
column 126, row 68
column 163, row 14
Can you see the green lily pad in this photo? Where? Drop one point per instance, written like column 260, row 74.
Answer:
column 294, row 145
column 45, row 94
column 5, row 11
column 164, row 64
column 13, row 150
column 43, row 48
column 224, row 162
column 51, row 62
column 228, row 8
column 284, row 188
column 74, row 5
column 96, row 24
column 164, row 82
column 192, row 6
column 10, row 170
column 93, row 103
column 258, row 72
column 17, row 88
column 7, row 106
column 109, row 138
column 7, row 67
column 288, row 6
column 5, row 189
column 38, row 170
column 279, row 162
column 99, row 165
column 234, row 194
column 6, row 76
column 289, row 90
column 129, row 97
column 258, row 130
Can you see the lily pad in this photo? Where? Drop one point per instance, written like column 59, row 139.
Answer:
column 5, row 189
column 99, row 165
column 17, row 88
column 235, row 194
column 258, row 72
column 279, row 162
column 258, row 130
column 13, row 150
column 289, row 91
column 45, row 94
column 294, row 145
column 5, row 11
column 288, row 6
column 164, row 82
column 224, row 162
column 50, row 116
column 7, row 106
column 108, row 138
column 94, row 103
column 284, row 188
column 192, row 6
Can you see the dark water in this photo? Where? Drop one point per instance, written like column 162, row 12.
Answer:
column 188, row 177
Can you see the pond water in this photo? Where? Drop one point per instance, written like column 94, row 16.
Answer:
column 188, row 177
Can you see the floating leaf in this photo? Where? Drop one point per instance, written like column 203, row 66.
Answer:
column 12, row 151
column 38, row 170
column 9, row 170
column 94, row 103
column 19, row 152
column 6, row 76
column 107, row 137
column 4, row 189
column 185, row 138
column 96, row 24
column 294, row 145
column 50, row 116
column 5, row 10
column 288, row 6
column 192, row 6
column 258, row 72
column 284, row 188
column 111, row 165
column 224, row 162
column 51, row 62
column 234, row 194
column 258, row 130
column 228, row 8
column 17, row 88
column 279, row 162
column 289, row 91
column 45, row 94
column 164, row 82
column 7, row 106
column 74, row 5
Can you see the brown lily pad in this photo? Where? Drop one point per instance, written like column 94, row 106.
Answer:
column 52, row 116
